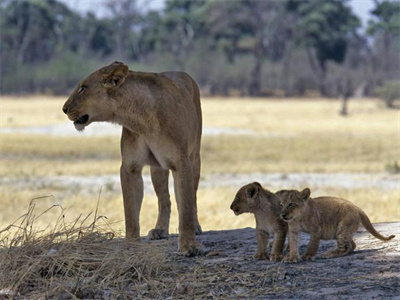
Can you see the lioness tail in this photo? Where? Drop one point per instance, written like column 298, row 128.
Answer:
column 367, row 224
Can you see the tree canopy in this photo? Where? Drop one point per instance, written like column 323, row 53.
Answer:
column 253, row 47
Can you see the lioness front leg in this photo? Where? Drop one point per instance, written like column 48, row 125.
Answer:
column 132, row 192
column 293, row 256
column 184, row 193
column 159, row 177
column 262, row 238
column 312, row 247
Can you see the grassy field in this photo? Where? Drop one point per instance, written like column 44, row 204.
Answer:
column 287, row 136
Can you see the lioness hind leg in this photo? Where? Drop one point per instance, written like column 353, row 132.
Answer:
column 183, row 184
column 196, row 165
column 159, row 177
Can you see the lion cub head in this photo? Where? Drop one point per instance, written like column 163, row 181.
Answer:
column 92, row 100
column 248, row 198
column 293, row 203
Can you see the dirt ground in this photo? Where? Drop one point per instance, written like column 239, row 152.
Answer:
column 229, row 271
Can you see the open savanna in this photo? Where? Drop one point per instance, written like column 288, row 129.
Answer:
column 282, row 135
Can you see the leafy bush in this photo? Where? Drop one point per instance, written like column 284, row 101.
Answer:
column 389, row 92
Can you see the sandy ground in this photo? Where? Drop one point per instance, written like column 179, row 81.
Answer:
column 102, row 128
column 371, row 272
column 92, row 184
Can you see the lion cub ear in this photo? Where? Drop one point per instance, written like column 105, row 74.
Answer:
column 114, row 75
column 305, row 194
column 253, row 189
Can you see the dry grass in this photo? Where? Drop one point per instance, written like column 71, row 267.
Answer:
column 31, row 111
column 81, row 259
column 292, row 136
column 214, row 212
column 63, row 253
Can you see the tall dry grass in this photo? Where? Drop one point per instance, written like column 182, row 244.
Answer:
column 85, row 258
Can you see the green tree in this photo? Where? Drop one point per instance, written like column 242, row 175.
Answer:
column 251, row 27
column 323, row 28
column 385, row 29
column 182, row 24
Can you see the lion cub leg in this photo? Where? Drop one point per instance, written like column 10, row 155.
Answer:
column 159, row 178
column 294, row 236
column 345, row 243
column 262, row 238
column 277, row 246
column 344, row 248
column 312, row 247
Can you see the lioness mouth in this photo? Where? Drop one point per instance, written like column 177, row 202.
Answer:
column 82, row 120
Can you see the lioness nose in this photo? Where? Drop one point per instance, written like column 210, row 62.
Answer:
column 65, row 110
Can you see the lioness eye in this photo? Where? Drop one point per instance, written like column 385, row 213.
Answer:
column 81, row 89
column 290, row 204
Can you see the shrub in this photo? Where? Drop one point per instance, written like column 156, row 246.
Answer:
column 388, row 92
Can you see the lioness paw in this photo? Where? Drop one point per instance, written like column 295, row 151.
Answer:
column 261, row 256
column 198, row 229
column 191, row 250
column 157, row 234
column 276, row 257
column 291, row 258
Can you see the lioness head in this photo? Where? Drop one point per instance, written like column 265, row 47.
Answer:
column 293, row 203
column 92, row 100
column 247, row 199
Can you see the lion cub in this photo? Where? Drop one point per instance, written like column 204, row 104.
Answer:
column 264, row 205
column 324, row 218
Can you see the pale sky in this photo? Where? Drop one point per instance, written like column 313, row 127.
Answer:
column 361, row 8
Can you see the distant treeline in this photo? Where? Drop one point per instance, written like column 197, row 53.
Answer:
column 247, row 47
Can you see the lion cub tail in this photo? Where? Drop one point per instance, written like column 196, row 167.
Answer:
column 367, row 224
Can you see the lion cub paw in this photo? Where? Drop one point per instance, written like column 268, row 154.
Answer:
column 291, row 258
column 191, row 250
column 308, row 257
column 276, row 257
column 261, row 255
column 157, row 234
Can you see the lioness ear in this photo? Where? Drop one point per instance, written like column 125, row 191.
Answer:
column 114, row 75
column 305, row 194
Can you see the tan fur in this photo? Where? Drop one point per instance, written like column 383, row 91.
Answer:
column 252, row 198
column 324, row 218
column 161, row 118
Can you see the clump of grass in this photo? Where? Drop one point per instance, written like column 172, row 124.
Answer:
column 82, row 259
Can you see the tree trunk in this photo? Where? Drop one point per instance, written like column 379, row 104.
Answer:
column 286, row 71
column 255, row 76
column 319, row 70
column 343, row 110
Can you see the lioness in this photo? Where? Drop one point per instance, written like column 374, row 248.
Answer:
column 162, row 125
column 325, row 218
column 264, row 205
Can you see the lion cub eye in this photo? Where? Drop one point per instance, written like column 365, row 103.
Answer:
column 81, row 89
column 290, row 204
